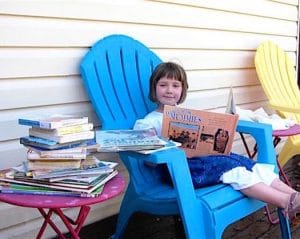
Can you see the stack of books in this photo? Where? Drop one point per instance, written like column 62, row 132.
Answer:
column 52, row 141
column 58, row 160
column 86, row 181
column 57, row 132
column 41, row 159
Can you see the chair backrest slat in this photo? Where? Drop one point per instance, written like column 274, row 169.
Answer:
column 118, row 68
column 277, row 76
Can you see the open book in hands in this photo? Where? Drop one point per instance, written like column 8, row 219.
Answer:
column 200, row 132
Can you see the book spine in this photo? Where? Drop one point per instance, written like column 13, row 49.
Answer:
column 40, row 132
column 46, row 152
column 29, row 122
column 37, row 156
column 63, row 123
column 74, row 129
column 37, row 140
column 43, row 144
column 52, row 164
column 52, row 124
column 76, row 136
column 65, row 138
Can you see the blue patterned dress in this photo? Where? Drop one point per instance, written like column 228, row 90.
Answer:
column 207, row 170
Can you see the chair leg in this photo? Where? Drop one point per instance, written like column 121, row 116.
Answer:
column 122, row 222
column 284, row 225
column 125, row 213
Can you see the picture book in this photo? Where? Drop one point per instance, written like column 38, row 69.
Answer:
column 170, row 144
column 53, row 121
column 37, row 153
column 44, row 144
column 64, row 138
column 52, row 164
column 128, row 140
column 32, row 155
column 47, row 133
column 89, row 167
column 11, row 188
column 98, row 181
column 200, row 132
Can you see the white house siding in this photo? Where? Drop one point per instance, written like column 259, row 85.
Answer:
column 43, row 41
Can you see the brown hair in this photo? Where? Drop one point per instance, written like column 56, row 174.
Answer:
column 169, row 70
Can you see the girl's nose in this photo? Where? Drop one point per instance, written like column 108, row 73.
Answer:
column 169, row 89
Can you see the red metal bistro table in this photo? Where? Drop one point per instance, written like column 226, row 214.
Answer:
column 47, row 205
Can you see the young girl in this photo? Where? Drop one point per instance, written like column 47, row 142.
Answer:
column 168, row 86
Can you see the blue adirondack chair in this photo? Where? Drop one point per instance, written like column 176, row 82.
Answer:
column 116, row 73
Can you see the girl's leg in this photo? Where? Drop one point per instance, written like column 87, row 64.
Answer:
column 289, row 201
column 281, row 186
column 268, row 194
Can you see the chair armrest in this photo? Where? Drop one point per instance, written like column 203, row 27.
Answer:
column 262, row 133
column 285, row 108
column 174, row 158
column 159, row 157
column 179, row 170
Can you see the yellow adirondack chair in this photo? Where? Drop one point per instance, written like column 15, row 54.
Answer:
column 277, row 75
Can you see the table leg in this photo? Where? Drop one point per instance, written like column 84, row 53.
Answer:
column 272, row 220
column 250, row 155
column 82, row 215
column 47, row 220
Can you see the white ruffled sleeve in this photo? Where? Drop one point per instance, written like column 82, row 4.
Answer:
column 152, row 120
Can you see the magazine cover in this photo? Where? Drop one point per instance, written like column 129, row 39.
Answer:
column 122, row 140
column 199, row 132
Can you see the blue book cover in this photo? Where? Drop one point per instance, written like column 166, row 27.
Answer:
column 53, row 122
column 51, row 145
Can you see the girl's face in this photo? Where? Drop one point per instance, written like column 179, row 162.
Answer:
column 168, row 91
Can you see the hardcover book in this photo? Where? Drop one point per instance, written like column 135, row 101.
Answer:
column 54, row 121
column 32, row 155
column 52, row 164
column 64, row 138
column 45, row 144
column 91, row 166
column 44, row 133
column 199, row 132
column 76, row 152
